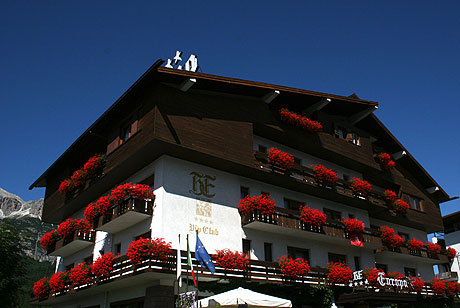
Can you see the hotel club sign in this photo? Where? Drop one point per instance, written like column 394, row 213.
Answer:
column 359, row 280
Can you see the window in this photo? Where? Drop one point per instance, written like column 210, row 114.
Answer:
column 357, row 263
column 268, row 252
column 292, row 204
column 355, row 139
column 405, row 236
column 117, row 249
column 382, row 267
column 244, row 191
column 410, row 272
column 147, row 234
column 247, row 247
column 262, row 149
column 295, row 253
column 336, row 258
column 125, row 132
column 332, row 215
column 415, row 203
column 352, row 137
column 88, row 260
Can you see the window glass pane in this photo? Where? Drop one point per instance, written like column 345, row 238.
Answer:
column 244, row 191
column 268, row 252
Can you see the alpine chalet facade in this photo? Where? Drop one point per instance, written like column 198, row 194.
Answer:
column 202, row 143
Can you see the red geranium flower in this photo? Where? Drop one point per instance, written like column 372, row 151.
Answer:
column 299, row 121
column 353, row 225
column 263, row 203
column 280, row 159
column 324, row 174
column 360, row 186
column 144, row 249
column 371, row 274
column 390, row 195
column 293, row 268
column 438, row 286
column 59, row 281
column 70, row 226
column 93, row 164
column 389, row 238
column 137, row 191
column 433, row 248
column 92, row 212
column 451, row 252
column 66, row 186
column 104, row 204
column 49, row 239
column 417, row 284
column 103, row 266
column 79, row 178
column 386, row 161
column 396, row 275
column 232, row 260
column 80, row 274
column 42, row 288
column 415, row 245
column 401, row 206
column 339, row 273
column 312, row 217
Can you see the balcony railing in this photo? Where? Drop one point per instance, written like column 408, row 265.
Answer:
column 150, row 270
column 67, row 246
column 125, row 214
column 288, row 222
column 306, row 175
column 450, row 276
column 405, row 253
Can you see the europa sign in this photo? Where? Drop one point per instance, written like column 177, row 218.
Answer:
column 358, row 280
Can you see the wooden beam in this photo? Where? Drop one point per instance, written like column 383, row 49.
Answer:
column 316, row 106
column 361, row 115
column 269, row 97
column 187, row 84
column 399, row 155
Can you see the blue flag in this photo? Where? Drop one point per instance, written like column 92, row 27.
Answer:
column 203, row 256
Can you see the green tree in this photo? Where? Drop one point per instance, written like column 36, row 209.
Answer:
column 12, row 266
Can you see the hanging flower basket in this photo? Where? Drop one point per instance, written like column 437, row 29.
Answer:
column 80, row 274
column 339, row 273
column 299, row 121
column 103, row 266
column 385, row 161
column 415, row 245
column 293, row 269
column 230, row 260
column 433, row 248
column 148, row 249
column 312, row 217
column 389, row 238
column 360, row 187
column 353, row 225
column 280, row 159
column 400, row 206
column 264, row 204
column 451, row 252
column 390, row 195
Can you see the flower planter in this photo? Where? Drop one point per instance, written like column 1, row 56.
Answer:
column 125, row 214
column 70, row 245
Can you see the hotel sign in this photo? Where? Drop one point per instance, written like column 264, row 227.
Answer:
column 359, row 280
column 203, row 189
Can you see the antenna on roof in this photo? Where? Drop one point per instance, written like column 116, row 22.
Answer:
column 191, row 64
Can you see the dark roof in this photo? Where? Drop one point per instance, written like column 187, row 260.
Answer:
column 234, row 86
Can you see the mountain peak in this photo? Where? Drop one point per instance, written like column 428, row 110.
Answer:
column 13, row 206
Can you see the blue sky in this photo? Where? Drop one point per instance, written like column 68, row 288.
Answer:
column 63, row 64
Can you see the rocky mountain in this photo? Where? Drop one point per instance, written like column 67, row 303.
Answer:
column 26, row 217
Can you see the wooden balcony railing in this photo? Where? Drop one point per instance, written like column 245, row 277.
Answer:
column 290, row 219
column 451, row 276
column 70, row 245
column 260, row 271
column 404, row 253
column 125, row 214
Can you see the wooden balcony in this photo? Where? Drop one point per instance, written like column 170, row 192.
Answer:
column 403, row 253
column 69, row 246
column 126, row 214
column 287, row 222
column 449, row 276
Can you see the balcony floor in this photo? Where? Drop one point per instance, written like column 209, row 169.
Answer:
column 71, row 248
column 124, row 221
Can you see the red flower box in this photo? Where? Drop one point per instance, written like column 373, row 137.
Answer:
column 263, row 203
column 42, row 288
column 293, row 268
column 136, row 191
column 69, row 227
column 148, row 249
column 389, row 238
column 339, row 273
column 385, row 161
column 66, row 186
column 433, row 248
column 390, row 195
column 452, row 288
column 80, row 176
column 323, row 174
column 438, row 286
column 103, row 266
column 280, row 159
column 49, row 239
column 80, row 274
column 395, row 275
column 417, row 284
column 299, row 121
column 451, row 252
column 415, row 245
column 401, row 206
column 353, row 225
column 59, row 281
column 360, row 186
column 312, row 217
column 232, row 260
column 92, row 212
column 371, row 274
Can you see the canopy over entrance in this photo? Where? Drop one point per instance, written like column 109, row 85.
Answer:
column 242, row 296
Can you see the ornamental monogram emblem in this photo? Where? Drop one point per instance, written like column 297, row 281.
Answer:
column 203, row 208
column 202, row 184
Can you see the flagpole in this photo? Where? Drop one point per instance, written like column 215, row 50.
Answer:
column 187, row 261
column 197, row 273
column 179, row 268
